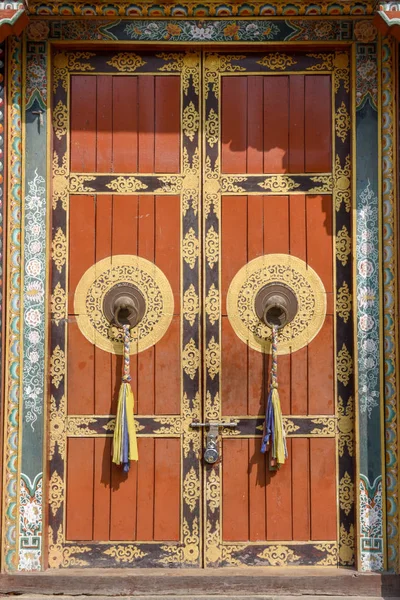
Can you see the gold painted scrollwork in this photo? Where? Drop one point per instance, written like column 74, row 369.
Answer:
column 186, row 63
column 126, row 61
column 60, row 182
column 331, row 558
column 212, row 247
column 57, row 366
column 212, row 304
column 191, row 489
column 342, row 122
column 343, row 245
column 281, row 184
column 213, row 490
column 328, row 426
column 191, row 437
column 191, row 358
column 60, row 120
column 213, row 358
column 229, row 184
column 64, row 556
column 77, row 184
column 64, row 62
column 125, row 553
column 212, row 128
column 290, row 426
column 191, row 305
column 346, row 545
column 277, row 61
column 58, row 304
column 56, row 492
column 212, row 406
column 344, row 365
column 190, row 248
column 79, row 426
column 59, row 249
column 325, row 184
column 346, row 426
column 189, row 552
column 346, row 493
column 343, row 302
column 126, row 185
column 57, row 427
column 216, row 64
column 278, row 556
column 342, row 187
column 190, row 121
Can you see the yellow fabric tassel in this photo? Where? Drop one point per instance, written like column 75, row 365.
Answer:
column 279, row 451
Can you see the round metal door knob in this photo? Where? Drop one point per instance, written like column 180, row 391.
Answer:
column 276, row 304
column 124, row 304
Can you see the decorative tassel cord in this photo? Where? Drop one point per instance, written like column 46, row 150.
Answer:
column 125, row 442
column 274, row 439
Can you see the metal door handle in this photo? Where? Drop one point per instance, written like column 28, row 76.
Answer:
column 211, row 452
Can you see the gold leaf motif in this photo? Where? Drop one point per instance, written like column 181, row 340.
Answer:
column 329, row 426
column 191, row 489
column 344, row 365
column 229, row 183
column 60, row 120
column 214, row 64
column 57, row 366
column 227, row 555
column 325, row 64
column 211, row 188
column 64, row 62
column 192, row 438
column 281, row 184
column 57, row 427
column 79, row 426
column 343, row 302
column 290, row 426
column 341, row 72
column 277, row 60
column 213, row 358
column 346, row 493
column 126, row 185
column 212, row 304
column 346, row 545
column 278, row 556
column 213, row 489
column 110, row 426
column 212, row 407
column 342, row 188
column 346, row 426
column 125, row 554
column 59, row 249
column 343, row 245
column 212, row 542
column 212, row 247
column 212, row 128
column 342, row 122
column 331, row 558
column 60, row 182
column 325, row 187
column 56, row 492
column 189, row 552
column 63, row 556
column 190, row 121
column 77, row 184
column 190, row 304
column 170, row 426
column 190, row 358
column 126, row 61
column 58, row 304
column 190, row 248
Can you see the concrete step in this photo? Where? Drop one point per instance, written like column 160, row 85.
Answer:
column 190, row 597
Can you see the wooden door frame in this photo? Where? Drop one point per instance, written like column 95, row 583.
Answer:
column 365, row 46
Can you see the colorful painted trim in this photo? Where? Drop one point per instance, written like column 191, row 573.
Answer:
column 367, row 259
column 2, row 133
column 202, row 10
column 390, row 305
column 12, row 327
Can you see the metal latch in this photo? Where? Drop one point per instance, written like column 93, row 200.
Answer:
column 211, row 452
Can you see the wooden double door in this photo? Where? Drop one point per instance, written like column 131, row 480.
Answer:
column 198, row 163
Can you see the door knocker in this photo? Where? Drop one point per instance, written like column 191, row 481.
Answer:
column 124, row 307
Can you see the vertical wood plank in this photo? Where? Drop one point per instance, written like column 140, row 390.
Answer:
column 145, row 494
column 276, row 123
column 81, row 241
column 79, row 495
column 234, row 372
column 233, row 241
column 235, row 490
column 123, row 502
column 318, row 123
column 167, row 242
column 301, row 488
column 296, row 124
column 102, row 488
column 167, row 489
column 323, row 489
column 320, row 241
column 80, row 371
column 255, row 122
column 320, row 371
column 83, row 124
column 104, row 124
column 167, row 371
column 234, row 125
column 125, row 124
column 279, row 500
column 167, row 125
column 146, row 120
column 257, row 491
